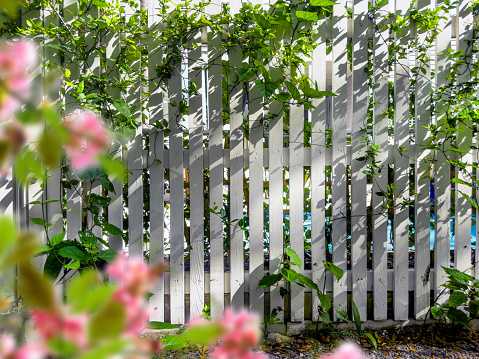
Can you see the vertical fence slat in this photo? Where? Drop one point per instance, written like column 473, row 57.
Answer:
column 401, row 171
column 462, row 232
column 422, row 205
column 339, row 172
column 73, row 193
column 442, row 179
column 256, row 216
column 216, row 170
column 197, row 295
column 177, row 239
column 318, row 178
column 380, row 183
column 358, row 149
column 236, row 181
column 157, row 168
column 135, row 160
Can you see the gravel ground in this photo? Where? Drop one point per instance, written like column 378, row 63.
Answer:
column 411, row 342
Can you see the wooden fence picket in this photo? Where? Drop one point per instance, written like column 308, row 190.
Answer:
column 401, row 171
column 339, row 170
column 156, row 164
column 380, row 183
column 215, row 119
column 197, row 267
column 422, row 238
column 358, row 149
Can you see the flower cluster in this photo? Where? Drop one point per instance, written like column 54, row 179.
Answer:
column 87, row 138
column 9, row 350
column 240, row 335
column 345, row 351
column 15, row 61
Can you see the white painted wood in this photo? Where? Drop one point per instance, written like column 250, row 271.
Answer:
column 156, row 303
column 380, row 183
column 422, row 233
column 115, row 209
column 135, row 163
column 236, row 184
column 255, row 202
column 462, row 232
column 215, row 119
column 358, row 144
column 401, row 172
column 339, row 175
column 177, row 239
column 318, row 178
column 73, row 194
column 442, row 178
column 197, row 297
column 8, row 209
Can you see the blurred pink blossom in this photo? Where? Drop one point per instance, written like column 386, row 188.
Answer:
column 345, row 351
column 135, row 277
column 8, row 350
column 15, row 60
column 66, row 326
column 88, row 138
column 241, row 333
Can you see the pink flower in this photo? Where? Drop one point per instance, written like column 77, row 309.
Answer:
column 135, row 277
column 241, row 334
column 15, row 60
column 88, row 139
column 8, row 350
column 345, row 351
column 71, row 328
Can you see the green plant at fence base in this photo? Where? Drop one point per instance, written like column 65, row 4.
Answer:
column 462, row 304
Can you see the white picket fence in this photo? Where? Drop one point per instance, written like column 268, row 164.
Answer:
column 183, row 294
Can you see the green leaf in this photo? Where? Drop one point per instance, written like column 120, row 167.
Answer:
column 161, row 325
column 80, row 285
column 61, row 347
column 457, row 298
column 269, row 280
column 457, row 316
column 102, row 201
column 108, row 255
column 108, row 322
column 9, row 234
column 110, row 228
column 294, row 257
column 357, row 318
column 473, row 308
column 283, row 97
column 293, row 90
column 454, row 273
column 307, row 282
column 106, row 183
column 100, row 3
column 122, row 107
column 80, row 87
column 57, row 238
column 457, row 180
column 172, row 342
column 312, row 93
column 437, row 312
column 246, row 73
column 53, row 266
column 40, row 222
column 321, row 3
column 74, row 253
column 325, row 301
column 306, row 16
column 472, row 201
column 457, row 150
column 337, row 272
column 266, row 88
column 290, row 274
column 73, row 265
column 202, row 335
column 90, row 173
column 94, row 298
column 373, row 340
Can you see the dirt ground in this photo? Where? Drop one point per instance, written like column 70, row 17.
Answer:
column 410, row 342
